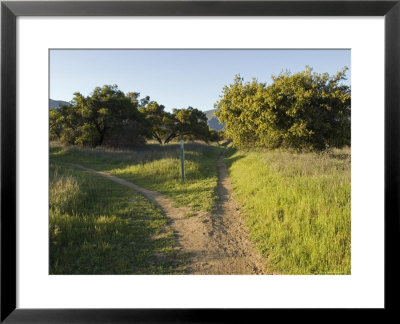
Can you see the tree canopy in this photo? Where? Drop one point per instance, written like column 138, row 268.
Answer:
column 110, row 117
column 157, row 119
column 165, row 126
column 188, row 122
column 305, row 110
column 107, row 116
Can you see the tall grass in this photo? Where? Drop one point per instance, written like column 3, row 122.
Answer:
column 297, row 207
column 100, row 227
column 156, row 167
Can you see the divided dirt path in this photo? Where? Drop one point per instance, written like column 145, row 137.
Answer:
column 215, row 242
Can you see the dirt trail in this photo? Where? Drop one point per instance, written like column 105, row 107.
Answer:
column 216, row 242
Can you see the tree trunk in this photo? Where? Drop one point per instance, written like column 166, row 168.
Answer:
column 170, row 137
column 101, row 131
column 101, row 138
column 157, row 138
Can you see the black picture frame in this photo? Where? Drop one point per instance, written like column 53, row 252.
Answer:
column 10, row 10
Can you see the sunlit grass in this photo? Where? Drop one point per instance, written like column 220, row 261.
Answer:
column 97, row 226
column 156, row 167
column 297, row 207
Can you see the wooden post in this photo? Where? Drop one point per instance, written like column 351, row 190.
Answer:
column 182, row 162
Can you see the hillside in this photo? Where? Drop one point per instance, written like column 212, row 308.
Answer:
column 213, row 121
column 54, row 104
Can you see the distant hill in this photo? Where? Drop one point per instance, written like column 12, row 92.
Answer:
column 213, row 121
column 54, row 104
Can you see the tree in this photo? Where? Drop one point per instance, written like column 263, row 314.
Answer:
column 238, row 108
column 157, row 119
column 305, row 110
column 165, row 126
column 189, row 121
column 64, row 124
column 110, row 117
column 106, row 109
column 104, row 116
column 55, row 125
column 216, row 136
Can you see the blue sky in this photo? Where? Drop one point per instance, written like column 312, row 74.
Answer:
column 179, row 78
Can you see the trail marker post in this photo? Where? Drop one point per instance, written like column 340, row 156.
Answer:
column 182, row 162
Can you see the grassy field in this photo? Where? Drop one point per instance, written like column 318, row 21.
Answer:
column 297, row 207
column 156, row 168
column 100, row 227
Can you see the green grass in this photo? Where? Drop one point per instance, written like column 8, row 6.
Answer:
column 156, row 167
column 101, row 227
column 297, row 207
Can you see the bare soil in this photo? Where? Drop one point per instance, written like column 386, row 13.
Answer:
column 216, row 242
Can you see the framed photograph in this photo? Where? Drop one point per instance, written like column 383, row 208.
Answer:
column 186, row 161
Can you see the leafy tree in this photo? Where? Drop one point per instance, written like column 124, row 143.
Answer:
column 157, row 119
column 55, row 125
column 238, row 108
column 106, row 109
column 104, row 116
column 189, row 121
column 216, row 136
column 144, row 101
column 305, row 110
column 63, row 124
column 110, row 117
column 131, row 134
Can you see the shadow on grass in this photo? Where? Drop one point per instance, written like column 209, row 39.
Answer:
column 230, row 156
column 98, row 227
